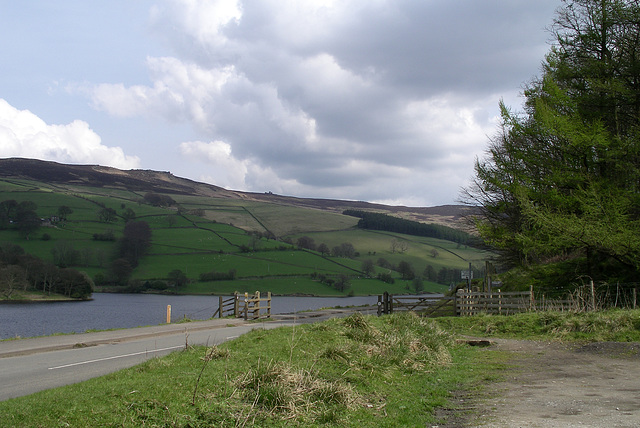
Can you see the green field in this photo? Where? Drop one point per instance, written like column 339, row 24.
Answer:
column 361, row 371
column 204, row 234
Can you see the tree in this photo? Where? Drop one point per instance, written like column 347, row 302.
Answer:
column 399, row 246
column 128, row 214
column 172, row 220
column 342, row 283
column 368, row 268
column 418, row 285
column 7, row 212
column 64, row 212
column 135, row 241
column 178, row 278
column 560, row 181
column 406, row 270
column 384, row 263
column 306, row 243
column 64, row 254
column 393, row 246
column 159, row 200
column 107, row 215
column 430, row 273
column 10, row 253
column 323, row 249
column 75, row 284
column 12, row 278
column 254, row 240
column 121, row 271
column 27, row 221
column 345, row 249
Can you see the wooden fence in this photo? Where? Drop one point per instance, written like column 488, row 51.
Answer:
column 465, row 302
column 496, row 302
column 245, row 306
column 427, row 305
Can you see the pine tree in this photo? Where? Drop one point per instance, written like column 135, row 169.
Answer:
column 560, row 181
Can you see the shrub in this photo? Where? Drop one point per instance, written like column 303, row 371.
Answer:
column 217, row 276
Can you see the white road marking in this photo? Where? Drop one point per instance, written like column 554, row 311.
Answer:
column 114, row 357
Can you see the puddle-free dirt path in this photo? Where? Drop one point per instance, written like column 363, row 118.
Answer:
column 560, row 385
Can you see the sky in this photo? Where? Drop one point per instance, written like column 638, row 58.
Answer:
column 386, row 101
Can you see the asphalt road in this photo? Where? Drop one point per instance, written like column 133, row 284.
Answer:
column 31, row 365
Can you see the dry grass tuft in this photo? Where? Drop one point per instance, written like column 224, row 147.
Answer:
column 291, row 393
column 408, row 341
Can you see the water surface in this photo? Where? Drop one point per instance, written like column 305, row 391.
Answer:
column 107, row 311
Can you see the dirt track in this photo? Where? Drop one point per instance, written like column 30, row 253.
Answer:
column 560, row 385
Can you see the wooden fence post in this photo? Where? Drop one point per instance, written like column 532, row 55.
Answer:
column 593, row 297
column 220, row 307
column 236, row 304
column 256, row 305
column 390, row 303
column 635, row 295
column 246, row 305
column 385, row 304
column 268, row 304
column 532, row 300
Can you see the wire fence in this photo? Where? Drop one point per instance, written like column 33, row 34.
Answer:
column 594, row 296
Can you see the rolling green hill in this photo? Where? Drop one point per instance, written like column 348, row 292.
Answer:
column 249, row 241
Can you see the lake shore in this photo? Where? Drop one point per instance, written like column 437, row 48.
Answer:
column 33, row 297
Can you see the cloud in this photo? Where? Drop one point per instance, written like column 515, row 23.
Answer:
column 384, row 100
column 23, row 134
column 223, row 169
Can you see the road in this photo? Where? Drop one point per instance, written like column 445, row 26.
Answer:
column 31, row 365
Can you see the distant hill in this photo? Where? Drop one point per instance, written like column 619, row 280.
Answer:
column 165, row 182
column 204, row 239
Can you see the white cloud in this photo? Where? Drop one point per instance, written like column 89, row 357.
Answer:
column 223, row 169
column 384, row 100
column 24, row 134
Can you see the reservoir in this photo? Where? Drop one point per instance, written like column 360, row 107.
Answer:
column 109, row 311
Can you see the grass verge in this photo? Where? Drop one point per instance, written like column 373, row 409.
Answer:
column 356, row 371
column 613, row 325
column 394, row 371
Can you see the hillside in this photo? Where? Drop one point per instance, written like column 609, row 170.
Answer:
column 66, row 176
column 208, row 240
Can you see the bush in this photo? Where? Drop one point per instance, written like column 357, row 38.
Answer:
column 218, row 276
column 106, row 236
column 386, row 277
column 156, row 285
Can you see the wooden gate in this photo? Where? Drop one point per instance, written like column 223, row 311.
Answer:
column 247, row 307
column 427, row 305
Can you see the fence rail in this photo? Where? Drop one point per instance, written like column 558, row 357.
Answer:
column 426, row 305
column 245, row 306
column 502, row 303
column 465, row 302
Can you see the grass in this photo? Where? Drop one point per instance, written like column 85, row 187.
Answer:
column 392, row 371
column 357, row 371
column 617, row 325
column 219, row 241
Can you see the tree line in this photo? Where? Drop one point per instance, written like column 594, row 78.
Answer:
column 20, row 216
column 379, row 221
column 345, row 249
column 559, row 185
column 20, row 271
